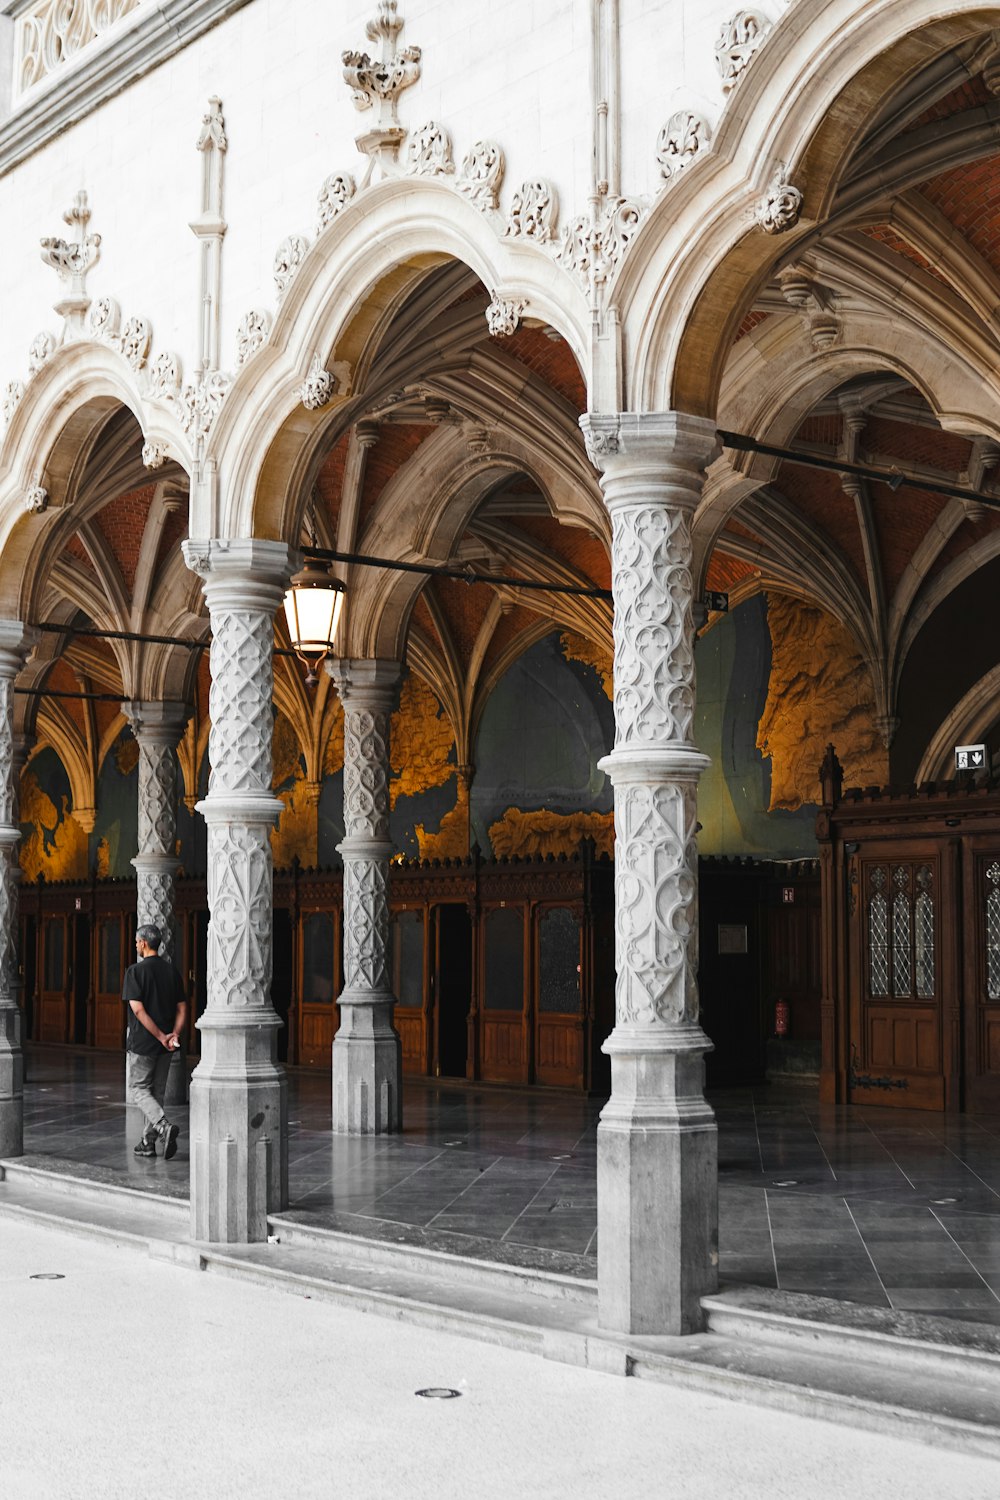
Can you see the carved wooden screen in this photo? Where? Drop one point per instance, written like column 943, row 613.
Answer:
column 53, row 1018
column 558, row 1018
column 897, row 1023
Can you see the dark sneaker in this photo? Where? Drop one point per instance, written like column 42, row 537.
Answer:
column 168, row 1136
column 144, row 1148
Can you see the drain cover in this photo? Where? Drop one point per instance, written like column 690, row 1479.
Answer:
column 788, row 1182
column 439, row 1392
column 944, row 1200
column 47, row 1276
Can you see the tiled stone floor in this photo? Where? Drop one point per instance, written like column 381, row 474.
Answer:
column 874, row 1205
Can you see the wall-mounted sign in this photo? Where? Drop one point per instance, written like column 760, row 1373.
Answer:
column 970, row 757
column 788, row 895
column 713, row 599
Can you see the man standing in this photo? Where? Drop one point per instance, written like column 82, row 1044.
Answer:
column 158, row 1010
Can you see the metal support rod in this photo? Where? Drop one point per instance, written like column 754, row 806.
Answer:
column 464, row 575
column 895, row 479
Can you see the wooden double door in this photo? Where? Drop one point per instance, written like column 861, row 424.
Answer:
column 923, row 972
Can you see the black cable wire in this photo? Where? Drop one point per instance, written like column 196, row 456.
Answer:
column 464, row 575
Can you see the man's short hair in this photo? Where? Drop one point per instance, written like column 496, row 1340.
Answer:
column 150, row 935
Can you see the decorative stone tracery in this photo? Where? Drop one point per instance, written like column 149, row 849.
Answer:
column 738, row 41
column 684, row 137
column 481, row 175
column 338, row 189
column 367, row 1061
column 428, row 151
column 657, row 1254
column 533, row 212
column 239, row 1164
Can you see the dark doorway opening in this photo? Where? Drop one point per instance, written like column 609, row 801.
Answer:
column 453, row 988
column 81, row 978
column 281, row 981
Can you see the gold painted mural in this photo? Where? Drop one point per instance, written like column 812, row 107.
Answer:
column 420, row 740
column 297, row 830
column 530, row 834
column 578, row 648
column 56, row 847
column 820, row 693
column 452, row 838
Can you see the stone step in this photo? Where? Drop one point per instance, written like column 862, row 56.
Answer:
column 931, row 1379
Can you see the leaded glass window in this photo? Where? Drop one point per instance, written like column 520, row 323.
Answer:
column 878, row 936
column 993, row 932
column 901, row 974
column 924, row 915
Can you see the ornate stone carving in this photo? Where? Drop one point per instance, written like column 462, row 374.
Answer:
column 12, row 393
column 481, row 174
column 43, row 346
column 74, row 258
column 533, row 212
column 136, row 337
column 815, row 302
column 51, row 31
column 593, row 250
column 287, row 259
column 380, row 80
column 252, row 334
column 428, row 151
column 201, row 403
column 366, row 771
column 780, row 207
column 601, row 437
column 239, row 703
column 165, row 377
column 503, row 316
column 318, row 386
column 105, row 319
column 154, row 455
column 738, row 40
column 212, row 135
column 36, row 500
column 240, row 899
column 336, row 192
column 684, row 137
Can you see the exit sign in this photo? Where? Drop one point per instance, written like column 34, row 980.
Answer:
column 716, row 601
column 970, row 757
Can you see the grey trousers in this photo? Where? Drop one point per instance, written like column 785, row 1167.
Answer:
column 147, row 1081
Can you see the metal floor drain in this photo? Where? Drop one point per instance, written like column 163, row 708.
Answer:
column 439, row 1392
column 787, row 1182
column 47, row 1276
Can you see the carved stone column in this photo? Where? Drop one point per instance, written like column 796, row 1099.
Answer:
column 239, row 1107
column 157, row 728
column 16, row 640
column 657, row 1188
column 367, row 1057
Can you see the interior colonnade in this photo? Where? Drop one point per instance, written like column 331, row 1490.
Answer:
column 445, row 391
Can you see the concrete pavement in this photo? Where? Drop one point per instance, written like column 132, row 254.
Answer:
column 133, row 1377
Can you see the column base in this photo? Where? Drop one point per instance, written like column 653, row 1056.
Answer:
column 239, row 1129
column 657, row 1188
column 11, row 1082
column 367, row 1069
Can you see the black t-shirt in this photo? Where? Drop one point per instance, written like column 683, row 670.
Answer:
column 155, row 982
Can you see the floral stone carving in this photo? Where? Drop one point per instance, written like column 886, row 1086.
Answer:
column 337, row 190
column 738, row 40
column 683, row 138
column 780, row 207
column 503, row 317
column 428, row 151
column 252, row 334
column 43, row 346
column 481, row 174
column 533, row 212
column 287, row 259
column 379, row 81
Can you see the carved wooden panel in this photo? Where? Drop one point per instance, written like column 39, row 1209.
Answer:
column 53, row 1018
column 502, row 1057
column 559, row 1051
column 110, row 961
column 412, row 1035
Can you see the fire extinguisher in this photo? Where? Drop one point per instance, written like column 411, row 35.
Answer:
column 781, row 1018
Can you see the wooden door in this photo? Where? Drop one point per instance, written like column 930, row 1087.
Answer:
column 900, row 1050
column 109, row 1008
column 317, row 978
column 54, row 1009
column 982, row 979
column 558, row 1012
column 503, row 1023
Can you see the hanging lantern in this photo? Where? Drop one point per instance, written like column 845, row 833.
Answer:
column 312, row 608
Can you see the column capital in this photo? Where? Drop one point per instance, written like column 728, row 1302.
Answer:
column 657, row 441
column 17, row 641
column 157, row 722
column 245, row 571
column 369, row 681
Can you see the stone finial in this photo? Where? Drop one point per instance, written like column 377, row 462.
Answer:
column 73, row 260
column 377, row 82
